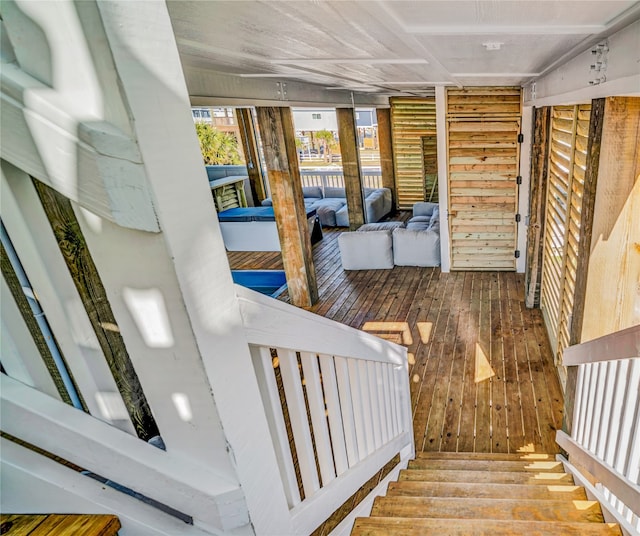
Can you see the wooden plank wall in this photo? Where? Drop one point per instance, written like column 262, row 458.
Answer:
column 613, row 281
column 482, row 139
column 412, row 120
column 566, row 178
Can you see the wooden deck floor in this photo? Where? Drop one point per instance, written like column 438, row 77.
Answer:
column 480, row 365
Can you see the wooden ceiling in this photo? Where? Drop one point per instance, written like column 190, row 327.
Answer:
column 391, row 47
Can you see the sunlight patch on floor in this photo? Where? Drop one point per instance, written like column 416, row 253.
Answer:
column 483, row 367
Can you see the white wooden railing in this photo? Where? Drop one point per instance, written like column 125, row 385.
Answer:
column 342, row 394
column 605, row 435
column 346, row 395
column 371, row 178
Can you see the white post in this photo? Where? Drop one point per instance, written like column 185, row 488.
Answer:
column 443, row 177
column 526, row 127
column 192, row 273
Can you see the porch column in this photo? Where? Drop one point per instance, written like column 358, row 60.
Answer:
column 351, row 166
column 386, row 151
column 537, row 205
column 244, row 118
column 278, row 138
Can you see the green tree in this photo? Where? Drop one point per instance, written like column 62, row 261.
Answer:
column 217, row 147
column 328, row 142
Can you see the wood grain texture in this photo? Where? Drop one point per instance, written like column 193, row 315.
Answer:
column 445, row 321
column 412, row 119
column 386, row 526
column 385, row 145
column 244, row 118
column 278, row 138
column 59, row 524
column 537, row 205
column 592, row 166
column 483, row 161
column 351, row 166
column 94, row 298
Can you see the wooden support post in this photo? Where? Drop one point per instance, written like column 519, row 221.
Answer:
column 86, row 278
column 537, row 203
column 244, row 118
column 386, row 151
column 278, row 138
column 584, row 247
column 351, row 166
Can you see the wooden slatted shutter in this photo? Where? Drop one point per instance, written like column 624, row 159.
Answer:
column 566, row 175
column 413, row 131
column 483, row 129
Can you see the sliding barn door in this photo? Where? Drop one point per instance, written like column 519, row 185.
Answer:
column 413, row 130
column 565, row 187
column 484, row 151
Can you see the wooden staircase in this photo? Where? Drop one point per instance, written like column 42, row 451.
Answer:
column 472, row 494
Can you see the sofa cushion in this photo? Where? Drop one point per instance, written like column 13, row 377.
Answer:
column 267, row 202
column 416, row 248
column 420, row 218
column 424, row 208
column 312, row 191
column 330, row 191
column 342, row 217
column 366, row 251
column 327, row 209
column 381, row 226
column 418, row 225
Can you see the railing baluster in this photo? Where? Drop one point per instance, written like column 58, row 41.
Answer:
column 357, row 380
column 630, row 394
column 576, row 430
column 597, row 406
column 318, row 417
column 263, row 365
column 616, row 413
column 299, row 423
column 607, row 402
column 346, row 408
column 375, row 405
column 386, row 402
column 329, row 381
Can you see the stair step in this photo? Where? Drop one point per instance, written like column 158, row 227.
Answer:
column 475, row 508
column 536, row 466
column 395, row 526
column 514, row 456
column 482, row 490
column 497, row 477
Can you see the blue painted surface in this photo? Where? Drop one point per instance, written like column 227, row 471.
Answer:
column 269, row 282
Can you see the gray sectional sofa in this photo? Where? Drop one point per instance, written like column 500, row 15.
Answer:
column 331, row 204
column 384, row 245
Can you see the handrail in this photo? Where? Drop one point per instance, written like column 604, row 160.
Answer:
column 336, row 399
column 605, row 431
column 619, row 345
column 623, row 488
column 269, row 322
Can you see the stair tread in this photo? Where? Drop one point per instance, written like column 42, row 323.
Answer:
column 513, row 456
column 397, row 526
column 482, row 508
column 508, row 477
column 537, row 466
column 408, row 488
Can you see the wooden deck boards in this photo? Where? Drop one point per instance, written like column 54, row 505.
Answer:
column 480, row 366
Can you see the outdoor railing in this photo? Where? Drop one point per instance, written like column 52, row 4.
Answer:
column 605, row 436
column 371, row 178
column 341, row 394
